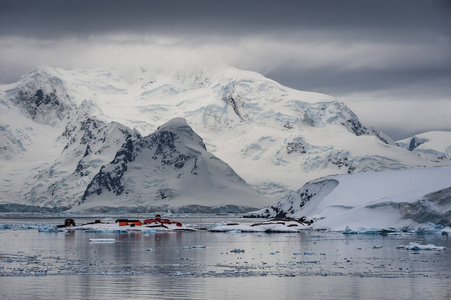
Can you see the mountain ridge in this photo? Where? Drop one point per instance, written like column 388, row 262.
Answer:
column 274, row 137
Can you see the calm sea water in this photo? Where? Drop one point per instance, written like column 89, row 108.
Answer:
column 200, row 265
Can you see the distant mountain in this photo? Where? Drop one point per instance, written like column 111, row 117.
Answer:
column 434, row 146
column 169, row 169
column 371, row 200
column 60, row 128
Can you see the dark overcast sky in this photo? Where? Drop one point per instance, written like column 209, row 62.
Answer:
column 389, row 60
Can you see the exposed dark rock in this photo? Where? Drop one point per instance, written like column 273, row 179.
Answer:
column 308, row 120
column 340, row 161
column 351, row 169
column 414, row 143
column 165, row 193
column 87, row 151
column 296, row 147
column 237, row 104
column 126, row 153
column 356, row 127
column 39, row 104
column 80, row 167
column 195, row 168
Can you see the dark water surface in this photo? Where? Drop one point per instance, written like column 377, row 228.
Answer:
column 200, row 265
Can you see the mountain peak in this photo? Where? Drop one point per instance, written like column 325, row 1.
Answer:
column 170, row 164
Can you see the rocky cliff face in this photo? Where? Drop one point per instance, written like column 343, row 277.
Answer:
column 90, row 145
column 42, row 97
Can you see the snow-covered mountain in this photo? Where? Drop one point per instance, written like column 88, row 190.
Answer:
column 403, row 198
column 434, row 146
column 58, row 128
column 51, row 146
column 169, row 169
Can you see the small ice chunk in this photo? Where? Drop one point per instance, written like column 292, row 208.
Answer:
column 236, row 250
column 308, row 253
column 102, row 240
column 417, row 246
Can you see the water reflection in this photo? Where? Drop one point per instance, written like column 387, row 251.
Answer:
column 150, row 287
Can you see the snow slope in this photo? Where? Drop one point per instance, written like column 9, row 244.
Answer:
column 434, row 146
column 371, row 200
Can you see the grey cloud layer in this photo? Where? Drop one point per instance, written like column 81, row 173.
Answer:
column 382, row 51
column 383, row 18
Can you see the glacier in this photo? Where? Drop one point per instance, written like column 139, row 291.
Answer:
column 371, row 201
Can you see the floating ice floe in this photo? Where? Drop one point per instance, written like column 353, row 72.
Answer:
column 428, row 228
column 269, row 226
column 431, row 228
column 50, row 228
column 369, row 231
column 5, row 226
column 102, row 240
column 417, row 246
column 22, row 226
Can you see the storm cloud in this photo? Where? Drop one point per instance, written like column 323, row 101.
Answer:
column 390, row 61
